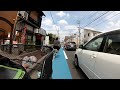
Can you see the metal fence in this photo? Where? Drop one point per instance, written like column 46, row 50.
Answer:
column 19, row 48
column 46, row 72
column 44, row 54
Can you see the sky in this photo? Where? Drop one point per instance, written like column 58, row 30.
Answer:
column 66, row 22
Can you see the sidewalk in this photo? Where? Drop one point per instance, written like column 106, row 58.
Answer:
column 60, row 66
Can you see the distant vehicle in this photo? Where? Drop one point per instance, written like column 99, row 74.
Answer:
column 70, row 46
column 100, row 57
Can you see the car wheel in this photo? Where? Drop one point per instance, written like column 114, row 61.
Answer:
column 76, row 62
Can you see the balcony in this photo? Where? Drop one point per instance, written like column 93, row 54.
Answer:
column 29, row 21
column 40, row 31
column 34, row 21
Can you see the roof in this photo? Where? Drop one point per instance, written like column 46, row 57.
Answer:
column 92, row 30
column 41, row 13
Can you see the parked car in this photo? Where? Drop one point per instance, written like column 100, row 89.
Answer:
column 100, row 57
column 70, row 46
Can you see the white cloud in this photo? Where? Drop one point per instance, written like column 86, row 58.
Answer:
column 118, row 24
column 62, row 22
column 110, row 23
column 47, row 22
column 55, row 27
column 112, row 16
column 67, row 31
column 68, row 15
column 61, row 14
column 72, row 27
column 110, row 26
column 63, row 31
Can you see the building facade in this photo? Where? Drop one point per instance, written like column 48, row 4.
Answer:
column 85, row 36
column 24, row 24
column 40, row 36
column 67, row 38
column 88, row 35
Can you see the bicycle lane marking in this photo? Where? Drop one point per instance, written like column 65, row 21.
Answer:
column 60, row 67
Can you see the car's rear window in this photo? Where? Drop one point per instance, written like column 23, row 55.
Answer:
column 73, row 42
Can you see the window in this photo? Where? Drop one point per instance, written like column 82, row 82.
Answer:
column 88, row 34
column 95, row 44
column 28, row 39
column 73, row 42
column 84, row 36
column 94, row 34
column 113, row 44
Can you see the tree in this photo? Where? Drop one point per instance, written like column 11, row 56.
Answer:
column 51, row 37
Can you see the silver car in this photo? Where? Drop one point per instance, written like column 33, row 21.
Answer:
column 70, row 46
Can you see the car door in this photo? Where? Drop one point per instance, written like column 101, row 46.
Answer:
column 107, row 64
column 88, row 56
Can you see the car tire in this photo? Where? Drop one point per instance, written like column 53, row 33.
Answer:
column 76, row 62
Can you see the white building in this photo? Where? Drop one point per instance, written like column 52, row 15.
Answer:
column 88, row 34
column 85, row 36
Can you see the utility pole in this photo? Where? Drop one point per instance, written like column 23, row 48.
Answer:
column 79, row 30
column 71, row 38
column 58, row 33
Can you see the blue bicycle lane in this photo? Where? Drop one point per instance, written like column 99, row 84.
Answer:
column 60, row 67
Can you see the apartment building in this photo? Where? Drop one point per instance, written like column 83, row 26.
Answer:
column 88, row 34
column 85, row 36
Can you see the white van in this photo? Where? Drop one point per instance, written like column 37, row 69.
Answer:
column 100, row 57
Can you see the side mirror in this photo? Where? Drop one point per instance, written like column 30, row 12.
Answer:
column 81, row 46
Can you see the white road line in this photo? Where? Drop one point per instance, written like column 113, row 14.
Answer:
column 65, row 55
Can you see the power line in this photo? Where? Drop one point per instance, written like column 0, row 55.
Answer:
column 93, row 14
column 52, row 17
column 92, row 27
column 86, row 13
column 106, row 20
column 89, row 16
column 96, row 18
column 103, row 17
column 84, row 18
column 54, row 23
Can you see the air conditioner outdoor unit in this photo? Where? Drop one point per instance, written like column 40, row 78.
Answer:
column 25, row 15
column 21, row 13
column 36, row 31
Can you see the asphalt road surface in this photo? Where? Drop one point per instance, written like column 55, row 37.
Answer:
column 76, row 73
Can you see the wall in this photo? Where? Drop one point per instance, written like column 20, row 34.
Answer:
column 91, row 35
column 87, row 38
column 34, row 15
column 9, row 15
column 47, row 40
